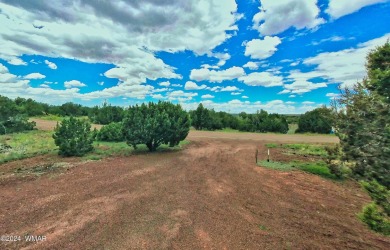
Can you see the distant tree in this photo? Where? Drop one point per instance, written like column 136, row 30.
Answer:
column 201, row 118
column 154, row 124
column 29, row 106
column 362, row 118
column 71, row 109
column 111, row 132
column 11, row 119
column 318, row 120
column 73, row 137
column 106, row 114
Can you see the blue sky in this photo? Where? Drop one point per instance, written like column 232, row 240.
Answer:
column 283, row 56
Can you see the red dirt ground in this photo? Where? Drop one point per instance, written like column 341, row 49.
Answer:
column 210, row 195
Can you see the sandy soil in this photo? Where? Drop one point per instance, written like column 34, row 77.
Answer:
column 210, row 195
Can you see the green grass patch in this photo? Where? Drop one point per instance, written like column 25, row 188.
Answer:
column 318, row 168
column 271, row 145
column 26, row 144
column 292, row 128
column 50, row 117
column 107, row 149
column 277, row 165
column 229, row 130
column 306, row 149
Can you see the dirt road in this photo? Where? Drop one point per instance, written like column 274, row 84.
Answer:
column 210, row 195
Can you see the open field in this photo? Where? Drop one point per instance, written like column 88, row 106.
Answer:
column 210, row 195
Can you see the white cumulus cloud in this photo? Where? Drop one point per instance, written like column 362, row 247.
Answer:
column 73, row 83
column 262, row 48
column 193, row 86
column 265, row 79
column 34, row 76
column 51, row 64
column 277, row 16
column 208, row 96
column 216, row 75
column 338, row 8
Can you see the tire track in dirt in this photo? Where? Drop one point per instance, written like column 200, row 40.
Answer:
column 209, row 195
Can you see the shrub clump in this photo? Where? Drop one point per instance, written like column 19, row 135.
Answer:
column 154, row 124
column 375, row 219
column 111, row 133
column 73, row 137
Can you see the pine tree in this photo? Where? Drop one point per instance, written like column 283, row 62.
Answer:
column 362, row 119
column 155, row 124
column 73, row 137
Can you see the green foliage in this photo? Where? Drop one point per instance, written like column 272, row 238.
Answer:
column 155, row 124
column 362, row 121
column 378, row 69
column 106, row 114
column 305, row 149
column 110, row 132
column 263, row 122
column 72, row 109
column 73, row 137
column 11, row 119
column 335, row 165
column 30, row 107
column 375, row 219
column 318, row 168
column 380, row 194
column 315, row 121
column 27, row 144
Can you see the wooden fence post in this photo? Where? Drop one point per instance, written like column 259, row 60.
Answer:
column 257, row 152
column 268, row 156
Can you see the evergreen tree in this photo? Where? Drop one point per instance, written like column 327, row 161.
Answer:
column 362, row 118
column 155, row 124
column 73, row 137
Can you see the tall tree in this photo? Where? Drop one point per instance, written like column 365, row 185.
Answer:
column 363, row 120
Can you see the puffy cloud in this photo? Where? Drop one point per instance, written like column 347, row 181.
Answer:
column 193, row 86
column 114, row 32
column 344, row 66
column 208, row 96
column 300, row 87
column 158, row 96
column 164, row 84
column 44, row 86
column 235, row 93
column 332, row 95
column 216, row 76
column 245, row 97
column 34, row 76
column 181, row 95
column 277, row 16
column 177, row 85
column 229, row 89
column 261, row 49
column 51, row 64
column 3, row 69
column 223, row 57
column 73, row 83
column 265, row 79
column 251, row 65
column 337, row 8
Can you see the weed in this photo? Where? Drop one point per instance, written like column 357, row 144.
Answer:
column 26, row 144
column 277, row 165
column 318, row 168
column 271, row 145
